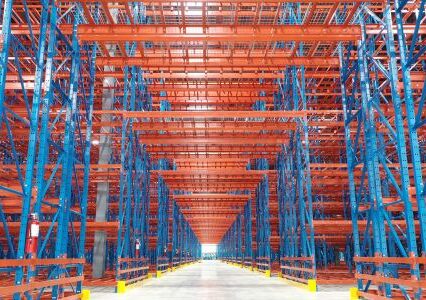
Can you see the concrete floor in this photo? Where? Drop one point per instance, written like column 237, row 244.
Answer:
column 216, row 280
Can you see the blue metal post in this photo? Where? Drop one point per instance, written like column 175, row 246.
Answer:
column 409, row 57
column 372, row 198
column 248, row 250
column 163, row 218
column 4, row 54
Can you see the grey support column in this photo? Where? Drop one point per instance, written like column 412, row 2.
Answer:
column 102, row 197
column 105, row 153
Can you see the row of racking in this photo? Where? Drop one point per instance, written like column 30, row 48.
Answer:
column 350, row 206
column 75, row 184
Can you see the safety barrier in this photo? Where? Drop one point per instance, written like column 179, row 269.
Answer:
column 392, row 276
column 175, row 263
column 61, row 275
column 263, row 264
column 248, row 262
column 131, row 271
column 162, row 266
column 300, row 270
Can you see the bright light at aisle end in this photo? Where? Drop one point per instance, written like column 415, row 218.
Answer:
column 208, row 248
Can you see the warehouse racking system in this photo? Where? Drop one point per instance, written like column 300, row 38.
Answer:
column 290, row 133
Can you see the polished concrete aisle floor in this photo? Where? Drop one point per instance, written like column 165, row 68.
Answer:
column 214, row 280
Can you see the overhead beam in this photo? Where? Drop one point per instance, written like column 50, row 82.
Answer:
column 233, row 1
column 211, row 196
column 222, row 114
column 212, row 172
column 213, row 141
column 222, row 33
column 201, row 64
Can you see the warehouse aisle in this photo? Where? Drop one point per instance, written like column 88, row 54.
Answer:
column 216, row 280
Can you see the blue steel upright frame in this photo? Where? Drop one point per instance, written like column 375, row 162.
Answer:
column 176, row 219
column 410, row 53
column 4, row 54
column 66, row 102
column 191, row 247
column 297, row 243
column 294, row 188
column 134, row 198
column 162, row 256
column 261, row 197
column 248, row 235
column 134, row 180
column 385, row 238
column 263, row 229
column 10, row 155
column 230, row 246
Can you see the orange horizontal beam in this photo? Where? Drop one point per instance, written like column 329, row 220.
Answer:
column 214, row 33
column 201, row 64
column 258, row 139
column 213, row 165
column 210, row 150
column 190, row 75
column 234, row 75
column 223, row 187
column 415, row 76
column 227, row 172
column 210, row 210
column 345, row 226
column 172, row 155
column 93, row 167
column 198, row 75
column 210, row 160
column 210, row 203
column 211, row 196
column 40, row 262
column 242, row 2
column 210, row 217
column 205, row 224
column 206, row 97
column 90, row 226
column 221, row 114
column 213, row 141
column 206, row 180
column 214, row 230
column 211, row 226
column 202, row 87
column 229, row 126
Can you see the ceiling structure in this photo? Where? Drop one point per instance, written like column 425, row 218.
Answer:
column 212, row 61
